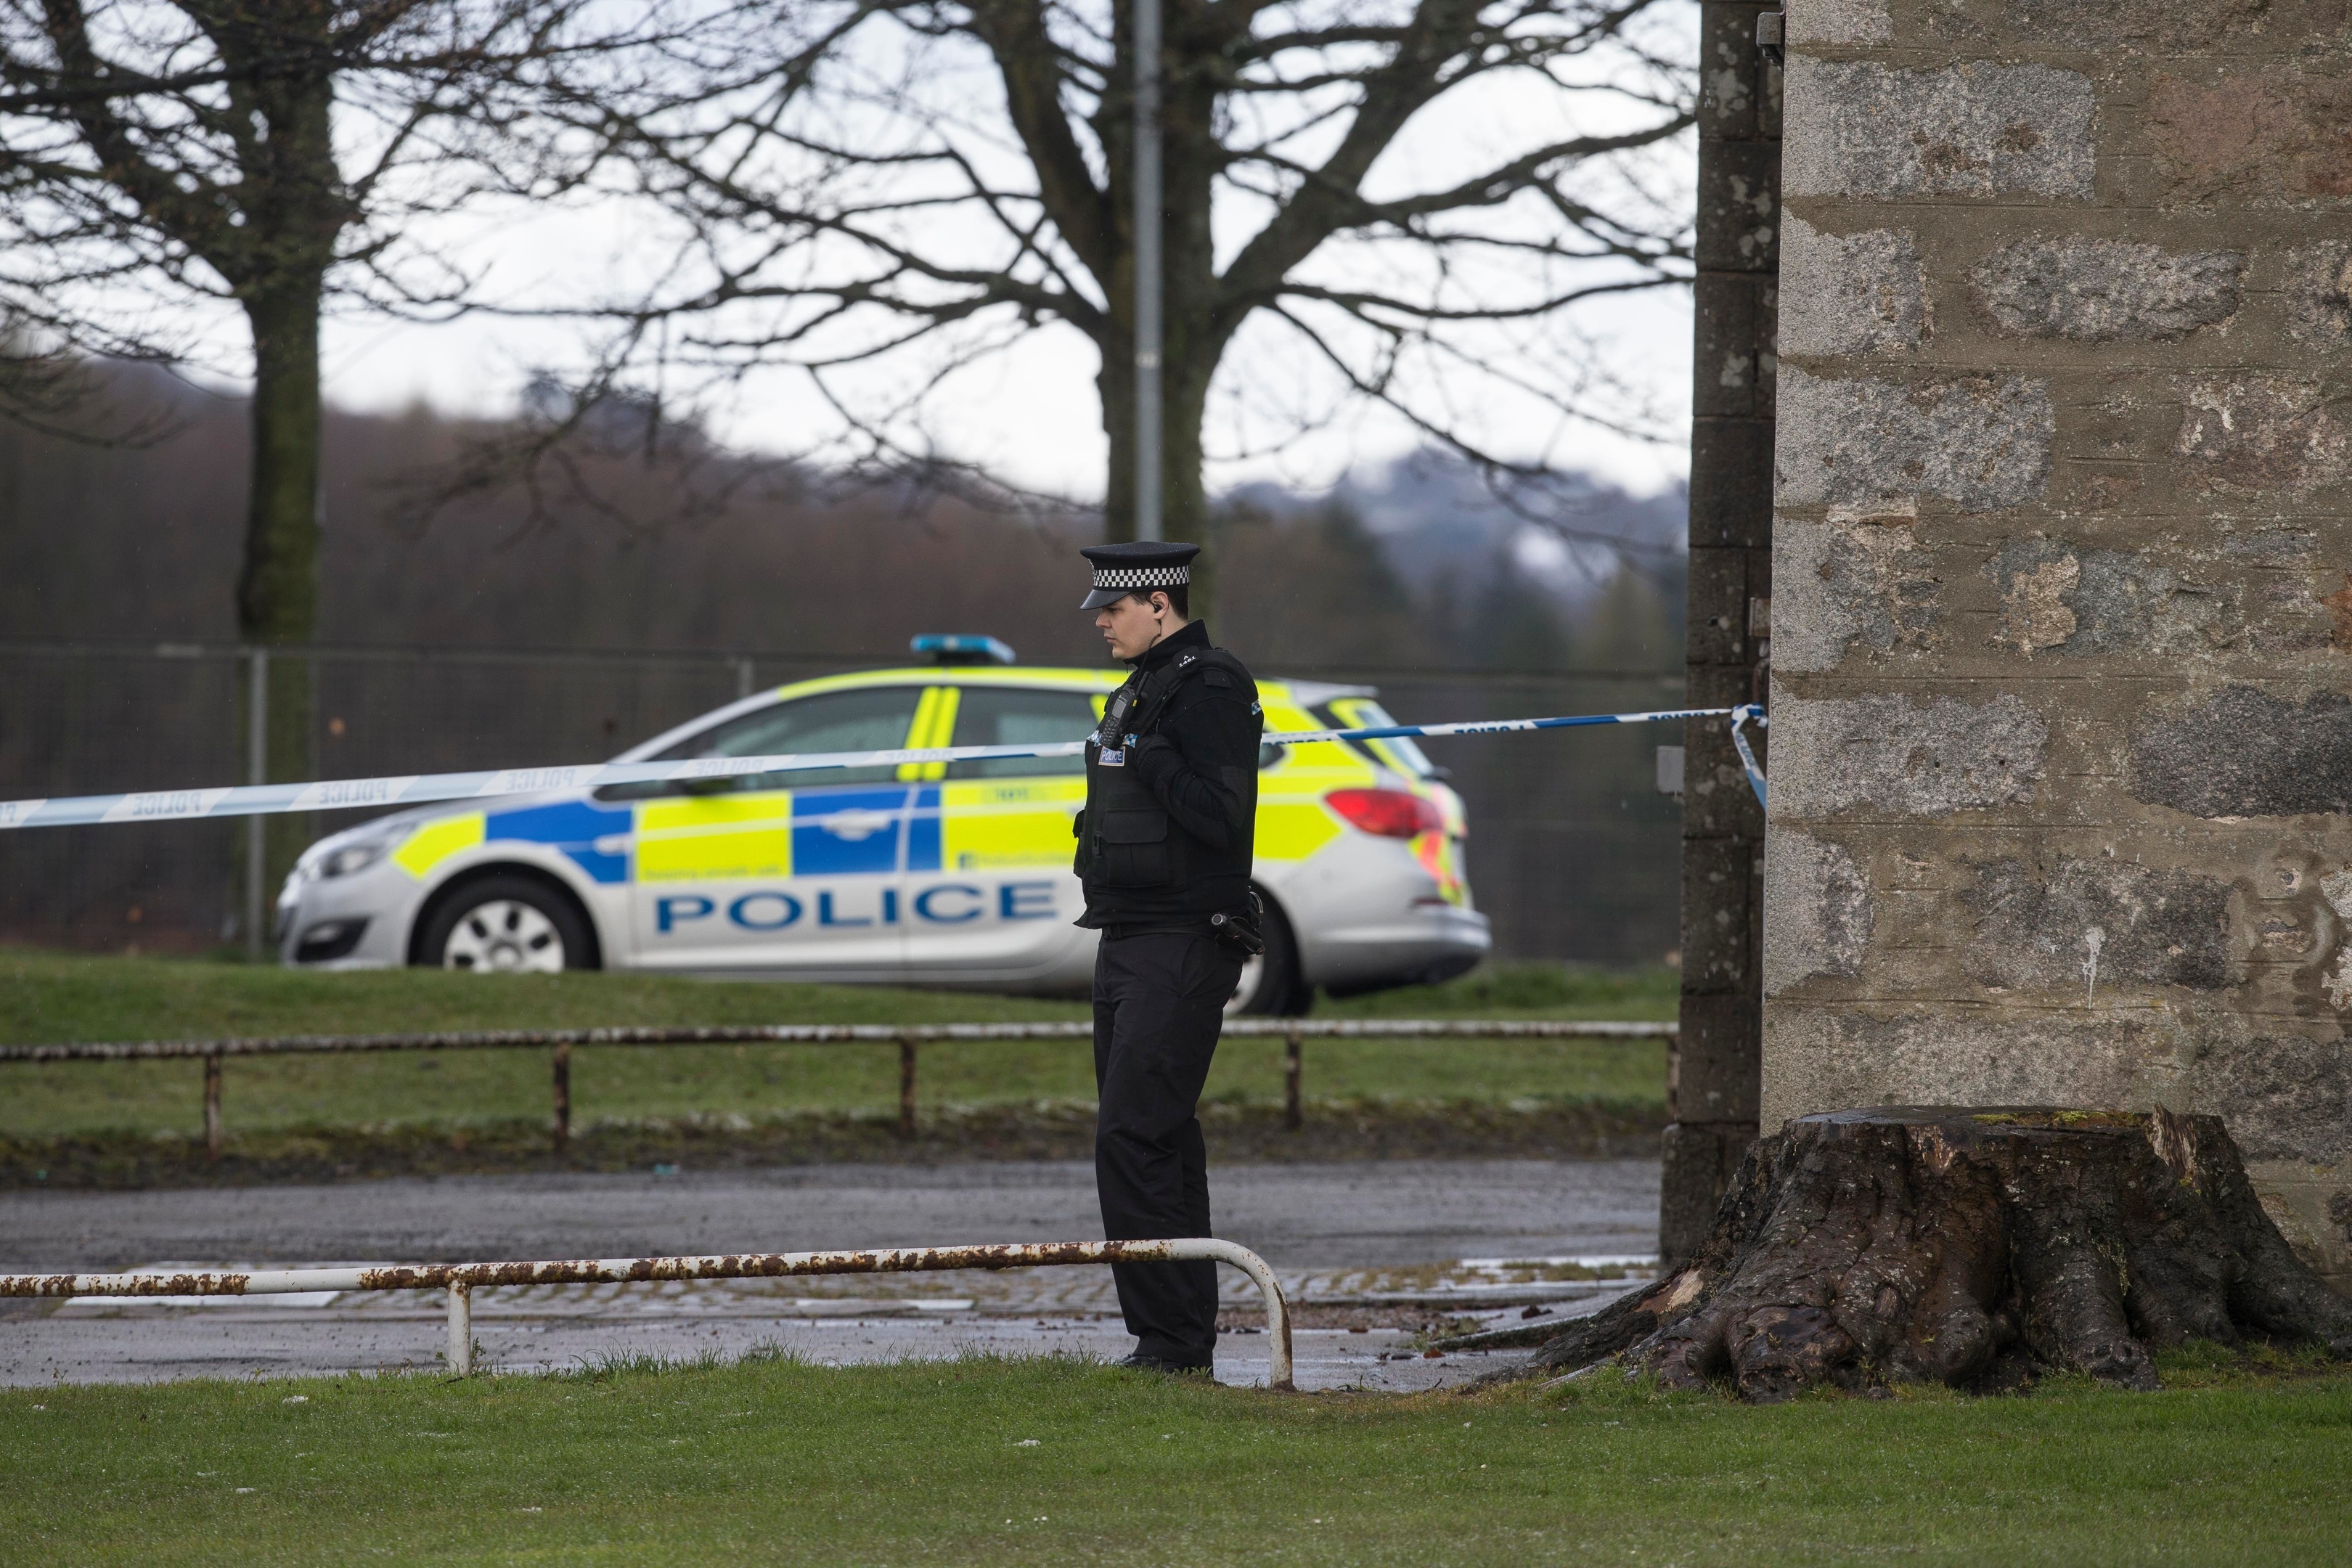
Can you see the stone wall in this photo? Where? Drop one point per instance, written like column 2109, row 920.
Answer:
column 2062, row 558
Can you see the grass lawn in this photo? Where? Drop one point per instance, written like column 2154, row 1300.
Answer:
column 1044, row 1461
column 46, row 997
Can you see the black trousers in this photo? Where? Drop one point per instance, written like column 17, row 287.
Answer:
column 1159, row 1000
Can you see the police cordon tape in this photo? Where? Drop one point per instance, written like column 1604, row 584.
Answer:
column 417, row 789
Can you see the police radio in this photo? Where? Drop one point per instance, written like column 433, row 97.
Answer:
column 1113, row 754
column 1115, row 713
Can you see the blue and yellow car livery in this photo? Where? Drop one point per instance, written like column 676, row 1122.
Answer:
column 921, row 873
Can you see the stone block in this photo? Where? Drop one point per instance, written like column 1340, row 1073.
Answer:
column 2080, row 602
column 1847, row 22
column 1815, row 1060
column 1732, row 483
column 1739, row 207
column 2339, row 605
column 1720, row 686
column 1737, row 84
column 1817, row 909
column 2262, row 434
column 2168, row 23
column 1715, row 1060
column 2258, row 134
column 1734, row 362
column 2285, row 1097
column 2241, row 751
column 2085, row 926
column 1846, row 585
column 1861, row 293
column 1716, row 625
column 1981, row 444
column 2319, row 293
column 1906, row 758
column 1717, row 803
column 1718, row 890
column 1857, row 129
column 2312, row 1205
column 2097, row 290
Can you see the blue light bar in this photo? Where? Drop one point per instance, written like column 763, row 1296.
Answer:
column 962, row 647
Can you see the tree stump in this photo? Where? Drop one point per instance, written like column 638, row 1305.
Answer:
column 1970, row 1247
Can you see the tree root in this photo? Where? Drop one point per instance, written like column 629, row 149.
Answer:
column 1972, row 1248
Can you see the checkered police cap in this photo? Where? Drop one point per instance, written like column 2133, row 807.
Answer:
column 1138, row 567
column 1141, row 576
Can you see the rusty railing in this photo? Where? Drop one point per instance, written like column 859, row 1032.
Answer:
column 907, row 1037
column 458, row 1280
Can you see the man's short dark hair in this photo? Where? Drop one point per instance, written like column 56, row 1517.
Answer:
column 1180, row 598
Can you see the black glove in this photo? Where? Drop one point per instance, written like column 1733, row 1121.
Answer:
column 1146, row 755
column 1244, row 931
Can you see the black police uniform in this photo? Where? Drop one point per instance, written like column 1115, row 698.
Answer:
column 1165, row 846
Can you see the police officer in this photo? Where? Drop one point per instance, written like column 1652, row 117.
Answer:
column 1164, row 850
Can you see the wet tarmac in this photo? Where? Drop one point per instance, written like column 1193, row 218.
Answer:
column 1357, row 1245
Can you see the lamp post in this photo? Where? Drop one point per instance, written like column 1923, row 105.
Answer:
column 1148, row 272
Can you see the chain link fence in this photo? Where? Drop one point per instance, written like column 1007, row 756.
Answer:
column 1573, row 853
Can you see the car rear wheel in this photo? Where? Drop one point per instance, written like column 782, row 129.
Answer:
column 508, row 925
column 1270, row 983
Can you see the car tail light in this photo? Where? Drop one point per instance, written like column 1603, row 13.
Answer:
column 1389, row 813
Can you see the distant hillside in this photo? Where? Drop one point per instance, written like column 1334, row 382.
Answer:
column 1438, row 523
column 1414, row 581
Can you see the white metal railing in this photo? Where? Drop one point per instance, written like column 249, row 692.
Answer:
column 458, row 1280
column 907, row 1037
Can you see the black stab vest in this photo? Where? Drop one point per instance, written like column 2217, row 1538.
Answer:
column 1127, row 839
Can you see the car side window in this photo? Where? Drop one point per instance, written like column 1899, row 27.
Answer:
column 1020, row 716
column 872, row 719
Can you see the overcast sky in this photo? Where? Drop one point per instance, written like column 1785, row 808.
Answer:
column 1029, row 413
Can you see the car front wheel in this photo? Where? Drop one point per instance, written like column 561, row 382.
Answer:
column 508, row 925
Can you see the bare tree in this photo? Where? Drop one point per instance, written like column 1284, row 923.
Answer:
column 158, row 155
column 896, row 189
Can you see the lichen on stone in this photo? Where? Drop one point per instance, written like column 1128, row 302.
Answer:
column 1859, row 128
column 2097, row 290
column 2163, row 927
column 1980, row 443
column 1850, row 585
column 1858, row 293
column 1913, row 759
column 2242, row 751
column 1817, row 909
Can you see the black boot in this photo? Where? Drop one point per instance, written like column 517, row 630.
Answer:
column 1138, row 1361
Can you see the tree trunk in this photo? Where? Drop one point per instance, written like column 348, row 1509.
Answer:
column 277, row 593
column 1966, row 1247
column 1184, row 400
column 278, row 590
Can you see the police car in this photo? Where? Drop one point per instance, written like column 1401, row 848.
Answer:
column 953, row 874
